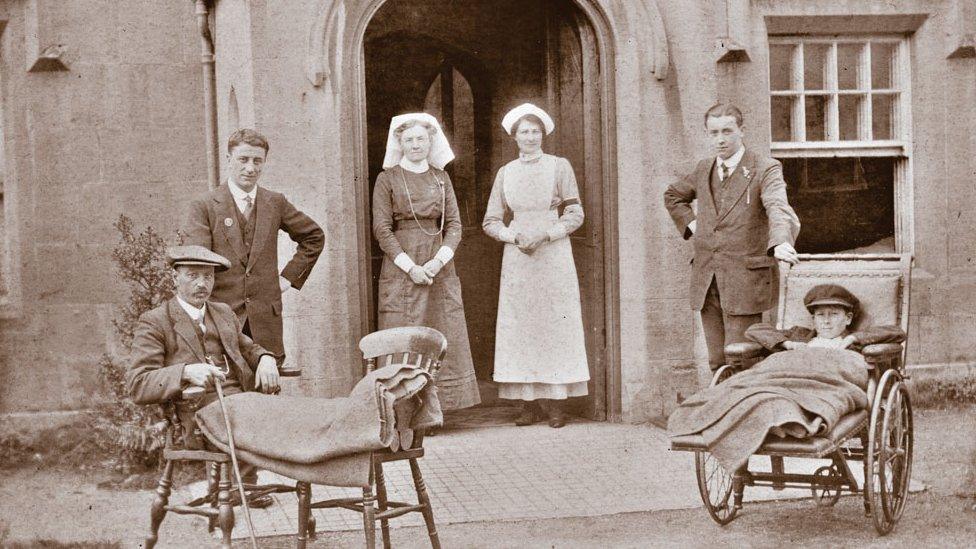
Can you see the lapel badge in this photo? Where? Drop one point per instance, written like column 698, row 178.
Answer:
column 228, row 222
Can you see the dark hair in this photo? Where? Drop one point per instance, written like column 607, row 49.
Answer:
column 528, row 118
column 724, row 109
column 247, row 136
column 398, row 131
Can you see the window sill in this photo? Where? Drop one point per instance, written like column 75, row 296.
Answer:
column 785, row 149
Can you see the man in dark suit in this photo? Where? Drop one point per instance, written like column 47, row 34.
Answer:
column 191, row 341
column 240, row 221
column 742, row 225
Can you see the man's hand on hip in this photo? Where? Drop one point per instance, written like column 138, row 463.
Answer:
column 201, row 374
column 785, row 252
column 266, row 376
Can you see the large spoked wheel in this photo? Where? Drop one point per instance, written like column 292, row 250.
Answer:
column 888, row 462
column 827, row 494
column 895, row 455
column 714, row 482
column 715, row 486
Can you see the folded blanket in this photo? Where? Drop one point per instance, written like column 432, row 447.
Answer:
column 799, row 393
column 306, row 438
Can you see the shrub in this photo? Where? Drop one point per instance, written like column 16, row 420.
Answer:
column 133, row 432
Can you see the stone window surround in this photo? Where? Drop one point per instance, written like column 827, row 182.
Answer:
column 790, row 29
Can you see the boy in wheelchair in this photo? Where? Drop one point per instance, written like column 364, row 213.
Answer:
column 834, row 310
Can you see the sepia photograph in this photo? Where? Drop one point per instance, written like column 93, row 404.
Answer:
column 487, row 273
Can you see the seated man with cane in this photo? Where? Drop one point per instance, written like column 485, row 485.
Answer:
column 191, row 341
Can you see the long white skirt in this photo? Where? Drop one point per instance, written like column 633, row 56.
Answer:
column 540, row 348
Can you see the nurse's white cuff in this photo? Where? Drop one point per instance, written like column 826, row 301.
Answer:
column 507, row 235
column 444, row 255
column 403, row 261
column 556, row 232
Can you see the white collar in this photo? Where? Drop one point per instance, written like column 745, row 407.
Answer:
column 195, row 314
column 531, row 157
column 415, row 167
column 733, row 160
column 238, row 193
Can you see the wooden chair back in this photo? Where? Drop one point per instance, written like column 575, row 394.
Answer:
column 882, row 283
column 419, row 346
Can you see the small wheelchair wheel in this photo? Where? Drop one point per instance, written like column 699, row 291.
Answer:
column 715, row 486
column 826, row 495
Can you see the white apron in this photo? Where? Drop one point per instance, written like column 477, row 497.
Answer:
column 539, row 335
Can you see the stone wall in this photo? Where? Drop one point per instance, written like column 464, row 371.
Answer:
column 120, row 131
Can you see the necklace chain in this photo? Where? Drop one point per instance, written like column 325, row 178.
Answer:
column 413, row 211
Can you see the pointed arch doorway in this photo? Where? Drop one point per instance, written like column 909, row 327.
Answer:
column 467, row 66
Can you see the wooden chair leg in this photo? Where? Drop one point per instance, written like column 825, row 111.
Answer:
column 304, row 492
column 157, row 511
column 369, row 517
column 212, row 473
column 225, row 514
column 424, row 500
column 382, row 500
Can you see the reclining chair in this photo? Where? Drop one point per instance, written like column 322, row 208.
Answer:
column 881, row 437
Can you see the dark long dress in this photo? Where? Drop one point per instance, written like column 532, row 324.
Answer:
column 439, row 306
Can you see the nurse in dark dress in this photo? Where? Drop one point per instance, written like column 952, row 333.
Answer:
column 417, row 224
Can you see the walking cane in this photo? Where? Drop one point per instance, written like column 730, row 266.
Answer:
column 233, row 458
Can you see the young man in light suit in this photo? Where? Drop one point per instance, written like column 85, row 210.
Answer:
column 240, row 221
column 743, row 224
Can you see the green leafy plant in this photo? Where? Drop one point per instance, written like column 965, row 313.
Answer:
column 134, row 432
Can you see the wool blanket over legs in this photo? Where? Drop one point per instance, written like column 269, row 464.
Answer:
column 798, row 393
column 327, row 440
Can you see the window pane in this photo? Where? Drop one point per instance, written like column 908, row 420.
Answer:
column 814, row 62
column 781, row 66
column 781, row 119
column 816, row 112
column 845, row 204
column 849, row 107
column 881, row 116
column 882, row 60
column 848, row 62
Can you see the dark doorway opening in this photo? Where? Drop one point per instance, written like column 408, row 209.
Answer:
column 467, row 64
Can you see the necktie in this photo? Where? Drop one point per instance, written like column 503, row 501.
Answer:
column 725, row 171
column 248, row 206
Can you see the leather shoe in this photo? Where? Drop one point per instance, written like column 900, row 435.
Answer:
column 260, row 502
column 557, row 421
column 530, row 414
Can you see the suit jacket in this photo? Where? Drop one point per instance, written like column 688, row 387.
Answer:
column 769, row 337
column 734, row 245
column 251, row 285
column 165, row 341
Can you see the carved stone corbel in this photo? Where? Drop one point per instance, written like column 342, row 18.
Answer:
column 962, row 41
column 45, row 53
column 324, row 42
column 733, row 20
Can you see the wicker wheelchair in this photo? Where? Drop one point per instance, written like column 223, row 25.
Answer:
column 880, row 437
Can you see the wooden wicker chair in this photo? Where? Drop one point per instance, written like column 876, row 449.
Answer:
column 423, row 348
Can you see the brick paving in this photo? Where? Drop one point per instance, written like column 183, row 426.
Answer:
column 485, row 472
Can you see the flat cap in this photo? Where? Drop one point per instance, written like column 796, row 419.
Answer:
column 195, row 255
column 830, row 294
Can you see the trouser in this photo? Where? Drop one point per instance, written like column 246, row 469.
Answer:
column 722, row 328
column 194, row 440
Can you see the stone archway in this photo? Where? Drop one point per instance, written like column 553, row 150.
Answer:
column 342, row 67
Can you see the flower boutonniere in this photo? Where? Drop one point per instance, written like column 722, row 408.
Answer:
column 745, row 172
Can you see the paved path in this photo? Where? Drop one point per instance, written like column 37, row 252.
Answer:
column 507, row 473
